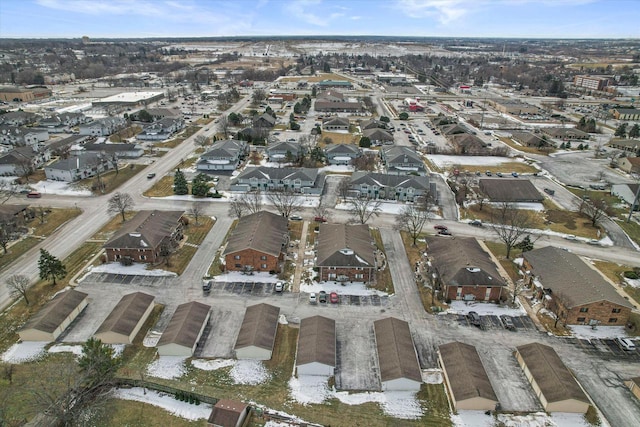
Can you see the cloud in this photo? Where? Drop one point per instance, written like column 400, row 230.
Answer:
column 301, row 10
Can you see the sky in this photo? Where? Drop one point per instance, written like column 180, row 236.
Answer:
column 422, row 18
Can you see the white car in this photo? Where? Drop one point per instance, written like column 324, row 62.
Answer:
column 313, row 299
column 279, row 287
column 626, row 344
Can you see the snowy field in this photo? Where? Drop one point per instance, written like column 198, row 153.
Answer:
column 136, row 269
column 61, row 188
column 444, row 161
column 355, row 288
column 248, row 372
column 385, row 207
column 166, row 402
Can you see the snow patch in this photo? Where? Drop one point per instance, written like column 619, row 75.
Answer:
column 166, row 402
column 432, row 376
column 25, row 351
column 443, row 161
column 250, row 372
column 62, row 348
column 587, row 332
column 212, row 365
column 484, row 308
column 136, row 269
column 308, row 389
column 167, row 367
column 61, row 188
column 282, row 319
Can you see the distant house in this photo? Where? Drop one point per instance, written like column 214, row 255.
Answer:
column 257, row 243
column 54, row 317
column 530, row 139
column 126, row 319
column 345, row 253
column 466, row 380
column 164, row 113
column 182, row 334
column 397, row 358
column 14, row 216
column 253, row 134
column 552, row 381
column 299, row 180
column 117, row 150
column 316, row 353
column 626, row 114
column 333, row 101
column 264, row 121
column 628, row 145
column 144, row 237
column 331, row 95
column 464, row 270
column 223, row 155
column 341, row 154
column 282, row 150
column 453, row 129
column 62, row 123
column 515, row 190
column 336, row 124
column 75, row 168
column 565, row 134
column 161, row 129
column 406, row 188
column 18, row 118
column 467, row 144
column 21, row 136
column 62, row 147
column 22, row 159
column 258, row 332
column 344, row 84
column 103, row 127
column 573, row 290
column 626, row 192
column 228, row 413
column 372, row 124
column 378, row 136
column 629, row 164
column 400, row 160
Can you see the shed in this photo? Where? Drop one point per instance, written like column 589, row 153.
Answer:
column 553, row 383
column 54, row 317
column 399, row 367
column 228, row 413
column 258, row 332
column 465, row 377
column 184, row 329
column 125, row 320
column 316, row 346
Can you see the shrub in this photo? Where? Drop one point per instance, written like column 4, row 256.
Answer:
column 631, row 275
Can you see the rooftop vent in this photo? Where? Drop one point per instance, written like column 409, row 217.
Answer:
column 473, row 270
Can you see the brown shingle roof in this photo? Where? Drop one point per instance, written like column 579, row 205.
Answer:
column 552, row 376
column 510, row 190
column 258, row 327
column 126, row 314
column 465, row 372
column 463, row 262
column 185, row 325
column 262, row 231
column 146, row 229
column 345, row 246
column 396, row 353
column 49, row 318
column 226, row 412
column 566, row 274
column 317, row 341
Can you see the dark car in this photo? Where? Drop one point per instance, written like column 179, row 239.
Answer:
column 440, row 227
column 474, row 318
column 549, row 191
column 444, row 233
column 476, row 223
column 508, row 322
column 322, row 297
column 206, row 287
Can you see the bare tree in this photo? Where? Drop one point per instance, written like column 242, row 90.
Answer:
column 196, row 211
column 321, row 211
column 343, row 188
column 594, row 209
column 224, row 125
column 412, row 219
column 519, row 286
column 258, row 96
column 18, row 285
column 120, row 203
column 201, row 140
column 249, row 202
column 285, row 200
column 510, row 224
column 6, row 235
column 24, row 168
column 362, row 209
column 237, row 208
column 7, row 190
column 366, row 162
column 41, row 214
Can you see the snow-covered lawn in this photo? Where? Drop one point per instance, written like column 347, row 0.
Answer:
column 385, row 207
column 136, row 269
column 60, row 187
column 337, row 169
column 587, row 332
column 357, row 288
column 633, row 282
column 444, row 161
column 24, row 351
column 63, row 348
column 250, row 372
column 167, row 367
column 166, row 402
column 538, row 419
column 311, row 389
column 482, row 308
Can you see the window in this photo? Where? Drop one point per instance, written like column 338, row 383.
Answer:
column 236, row 257
column 264, row 266
column 238, row 265
column 117, row 256
column 143, row 257
column 613, row 320
column 615, row 310
column 584, row 310
column 263, row 257
column 359, row 276
column 581, row 319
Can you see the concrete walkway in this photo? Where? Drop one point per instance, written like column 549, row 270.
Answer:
column 302, row 247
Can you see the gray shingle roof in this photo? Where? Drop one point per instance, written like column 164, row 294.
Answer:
column 552, row 376
column 377, row 134
column 262, row 231
column 126, row 314
column 51, row 316
column 279, row 174
column 77, row 162
column 465, row 372
column 228, row 148
column 146, row 229
column 259, row 327
column 510, row 190
column 384, row 180
column 396, row 353
column 317, row 341
column 345, row 246
column 185, row 324
column 463, row 262
column 568, row 275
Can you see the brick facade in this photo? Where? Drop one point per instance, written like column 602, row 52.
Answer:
column 136, row 255
column 347, row 274
column 258, row 261
column 605, row 313
column 479, row 293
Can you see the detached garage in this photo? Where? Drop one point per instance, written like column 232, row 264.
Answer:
column 316, row 346
column 465, row 378
column 552, row 381
column 399, row 368
column 54, row 317
column 184, row 330
column 125, row 320
column 258, row 332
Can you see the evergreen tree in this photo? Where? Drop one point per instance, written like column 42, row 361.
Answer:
column 365, row 142
column 98, row 362
column 634, row 132
column 180, row 186
column 200, row 186
column 621, row 131
column 50, row 267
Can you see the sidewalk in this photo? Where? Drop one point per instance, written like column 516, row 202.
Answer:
column 302, row 246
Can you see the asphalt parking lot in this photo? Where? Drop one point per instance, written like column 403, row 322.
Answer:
column 356, row 361
column 488, row 322
column 129, row 279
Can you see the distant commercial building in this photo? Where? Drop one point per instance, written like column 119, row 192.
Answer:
column 626, row 114
column 20, row 94
column 130, row 98
column 514, row 107
column 592, row 82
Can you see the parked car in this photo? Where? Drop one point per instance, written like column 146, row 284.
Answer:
column 549, row 191
column 488, row 173
column 34, row 195
column 320, row 219
column 499, row 174
column 474, row 318
column 295, row 218
column 440, row 227
column 279, row 287
column 313, row 299
column 476, row 223
column 206, row 287
column 333, row 298
column 508, row 322
column 514, row 174
column 322, row 297
column 444, row 233
column 151, row 175
column 570, row 237
column 626, row 344
column 594, row 242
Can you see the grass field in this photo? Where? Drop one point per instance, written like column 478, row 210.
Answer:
column 523, row 148
column 194, row 234
column 505, row 168
column 338, row 138
column 383, row 277
column 162, row 188
column 113, row 180
column 174, row 142
column 112, row 226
